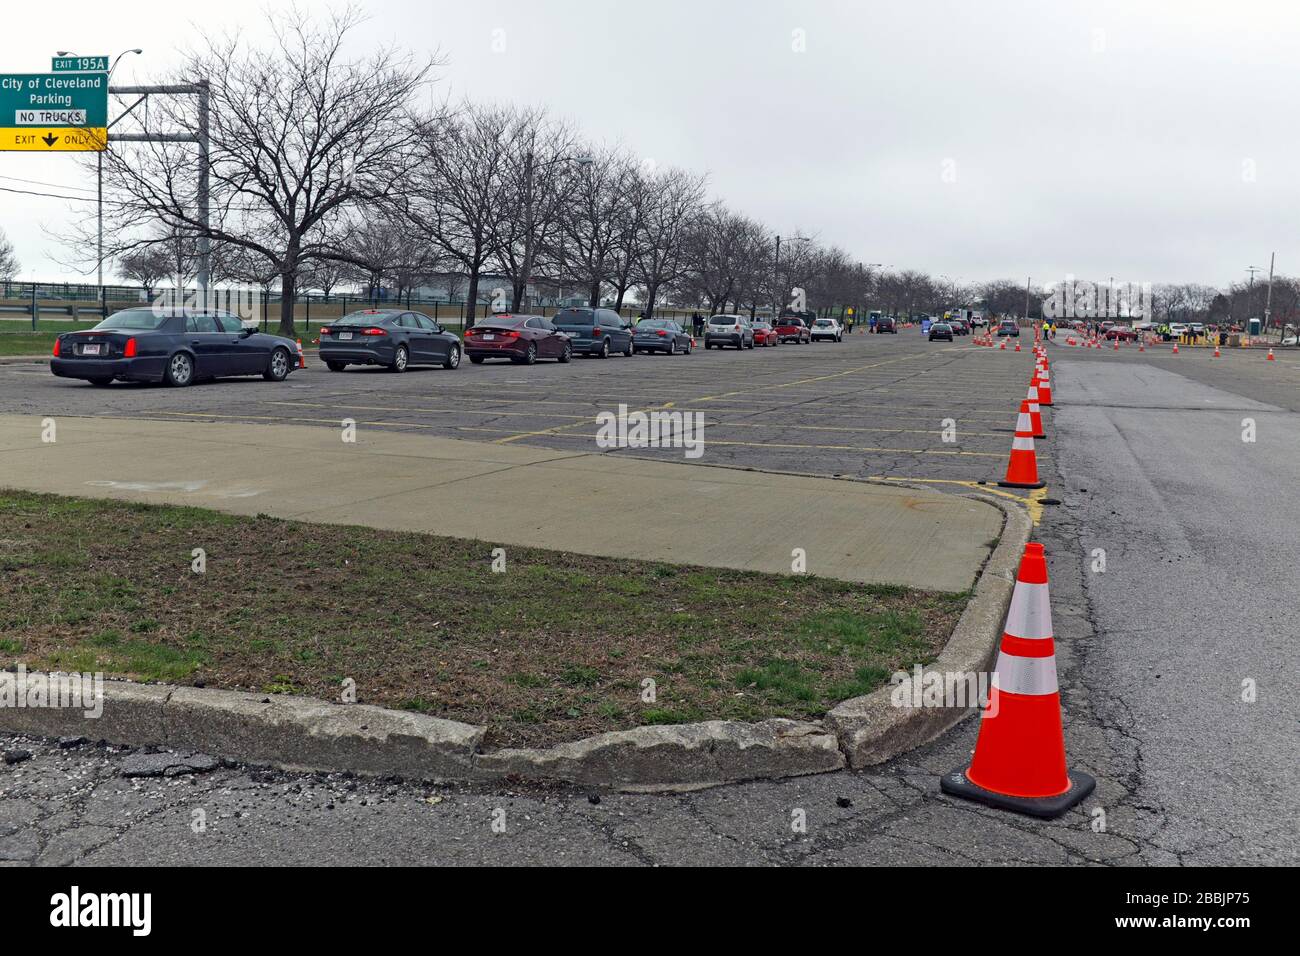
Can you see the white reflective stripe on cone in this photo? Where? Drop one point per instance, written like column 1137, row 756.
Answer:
column 1023, row 424
column 1033, row 394
column 1034, row 407
column 1030, row 614
column 1031, row 676
column 1022, row 443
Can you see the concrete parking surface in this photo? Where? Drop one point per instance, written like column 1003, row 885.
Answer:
column 1155, row 652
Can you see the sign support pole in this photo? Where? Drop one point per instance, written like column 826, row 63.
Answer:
column 203, row 91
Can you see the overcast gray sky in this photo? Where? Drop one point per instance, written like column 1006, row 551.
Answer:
column 1151, row 141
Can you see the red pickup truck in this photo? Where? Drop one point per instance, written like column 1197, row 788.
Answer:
column 794, row 328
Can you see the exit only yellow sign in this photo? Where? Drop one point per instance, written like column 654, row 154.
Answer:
column 52, row 140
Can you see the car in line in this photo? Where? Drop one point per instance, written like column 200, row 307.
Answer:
column 940, row 330
column 959, row 326
column 1008, row 327
column 827, row 329
column 765, row 334
column 792, row 328
column 1176, row 331
column 726, row 329
column 661, row 335
column 395, row 339
column 174, row 346
column 1121, row 332
column 597, row 332
column 886, row 323
column 523, row 339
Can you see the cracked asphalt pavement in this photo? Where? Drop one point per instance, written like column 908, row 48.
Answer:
column 1178, row 666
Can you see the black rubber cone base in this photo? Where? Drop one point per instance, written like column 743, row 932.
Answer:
column 1048, row 808
column 1021, row 484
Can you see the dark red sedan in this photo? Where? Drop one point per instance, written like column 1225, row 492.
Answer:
column 1121, row 332
column 521, row 338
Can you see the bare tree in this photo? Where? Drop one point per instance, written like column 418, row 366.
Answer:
column 590, row 231
column 538, row 181
column 300, row 139
column 9, row 265
column 459, row 192
column 722, row 251
column 146, row 265
column 670, row 204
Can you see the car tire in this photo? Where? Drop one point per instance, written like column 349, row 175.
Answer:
column 336, row 366
column 672, row 347
column 101, row 381
column 401, row 358
column 690, row 347
column 180, row 370
column 604, row 349
column 627, row 352
column 566, row 355
column 476, row 359
column 530, row 355
column 277, row 369
column 452, row 361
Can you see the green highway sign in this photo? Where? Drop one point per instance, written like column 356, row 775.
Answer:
column 79, row 64
column 53, row 111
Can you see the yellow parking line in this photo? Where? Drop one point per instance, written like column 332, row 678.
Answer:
column 1033, row 501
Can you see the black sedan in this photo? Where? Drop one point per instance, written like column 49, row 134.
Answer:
column 661, row 335
column 394, row 338
column 173, row 346
column 940, row 330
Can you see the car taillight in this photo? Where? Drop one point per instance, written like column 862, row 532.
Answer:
column 661, row 333
column 325, row 331
column 129, row 350
column 373, row 332
column 56, row 348
column 509, row 335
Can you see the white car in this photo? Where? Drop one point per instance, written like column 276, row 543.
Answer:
column 1177, row 329
column 827, row 329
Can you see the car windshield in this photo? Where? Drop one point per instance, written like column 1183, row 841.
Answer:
column 654, row 324
column 723, row 320
column 575, row 317
column 823, row 322
column 506, row 321
column 134, row 320
column 363, row 318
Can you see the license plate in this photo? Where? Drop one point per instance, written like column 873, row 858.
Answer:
column 489, row 338
column 90, row 350
column 345, row 335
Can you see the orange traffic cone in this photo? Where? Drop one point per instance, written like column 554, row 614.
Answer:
column 1270, row 356
column 1017, row 346
column 302, row 359
column 1003, row 346
column 1022, row 468
column 1030, row 405
column 1042, row 380
column 1175, row 348
column 1019, row 761
column 1216, row 351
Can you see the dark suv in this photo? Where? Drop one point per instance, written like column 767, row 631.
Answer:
column 886, row 323
column 595, row 331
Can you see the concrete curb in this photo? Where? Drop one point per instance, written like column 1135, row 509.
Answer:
column 305, row 734
column 872, row 729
